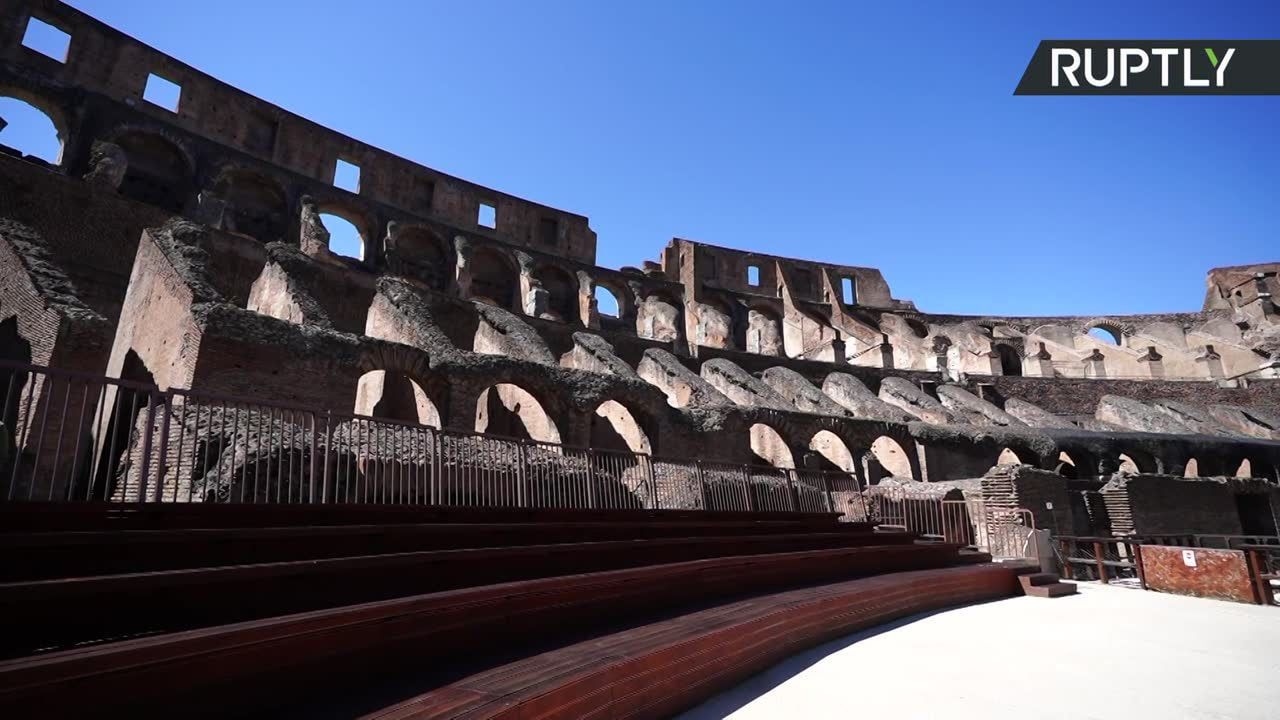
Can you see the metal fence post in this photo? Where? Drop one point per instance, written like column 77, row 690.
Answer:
column 646, row 462
column 148, row 426
column 162, row 465
column 702, row 484
column 826, row 492
column 437, row 467
column 792, row 492
column 328, row 445
column 1099, row 558
column 522, row 476
column 746, row 490
column 591, row 480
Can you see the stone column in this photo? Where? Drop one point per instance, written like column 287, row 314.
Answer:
column 1154, row 362
column 588, row 308
column 462, row 266
column 1212, row 362
column 1095, row 365
column 1039, row 363
column 886, row 352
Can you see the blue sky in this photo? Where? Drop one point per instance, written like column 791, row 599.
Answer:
column 876, row 134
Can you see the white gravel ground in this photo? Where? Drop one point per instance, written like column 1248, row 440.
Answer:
column 1105, row 653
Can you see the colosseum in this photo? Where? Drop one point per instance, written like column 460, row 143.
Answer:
column 175, row 328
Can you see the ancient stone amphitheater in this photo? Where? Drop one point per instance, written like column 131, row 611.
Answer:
column 177, row 332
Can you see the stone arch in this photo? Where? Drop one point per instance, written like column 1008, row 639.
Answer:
column 348, row 229
column 1192, row 468
column 395, row 396
column 1135, row 461
column 764, row 331
column 160, row 172
column 257, row 205
column 493, row 277
column 562, row 293
column 34, row 116
column 1107, row 332
column 1010, row 359
column 833, row 451
column 888, row 458
column 420, row 253
column 614, row 427
column 658, row 317
column 769, row 447
column 511, row 411
column 716, row 326
column 610, row 294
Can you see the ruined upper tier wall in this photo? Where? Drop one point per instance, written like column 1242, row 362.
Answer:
column 105, row 61
column 750, row 273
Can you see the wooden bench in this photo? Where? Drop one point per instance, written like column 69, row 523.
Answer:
column 661, row 668
column 47, row 555
column 260, row 664
column 57, row 613
column 45, row 517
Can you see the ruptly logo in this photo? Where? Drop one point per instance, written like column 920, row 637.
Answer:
column 1153, row 67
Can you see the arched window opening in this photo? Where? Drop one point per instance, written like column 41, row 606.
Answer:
column 509, row 410
column 158, row 173
column 607, row 302
column 769, row 447
column 255, row 206
column 1245, row 469
column 392, row 395
column 423, row 256
column 492, row 278
column 562, row 293
column 1105, row 334
column 918, row 328
column 345, row 238
column 29, row 130
column 834, row 453
column 1192, row 469
column 613, row 427
column 888, row 459
column 1010, row 360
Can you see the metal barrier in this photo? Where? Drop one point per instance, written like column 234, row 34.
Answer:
column 1006, row 533
column 68, row 436
column 1101, row 558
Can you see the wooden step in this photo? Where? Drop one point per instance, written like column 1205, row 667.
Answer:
column 1052, row 590
column 1046, row 585
column 1041, row 578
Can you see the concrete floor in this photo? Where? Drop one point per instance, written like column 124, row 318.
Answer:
column 1105, row 653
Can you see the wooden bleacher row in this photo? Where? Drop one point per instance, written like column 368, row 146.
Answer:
column 260, row 664
column 661, row 668
column 65, row 611
column 58, row 516
column 306, row 611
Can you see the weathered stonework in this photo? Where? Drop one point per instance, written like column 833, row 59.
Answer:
column 186, row 249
